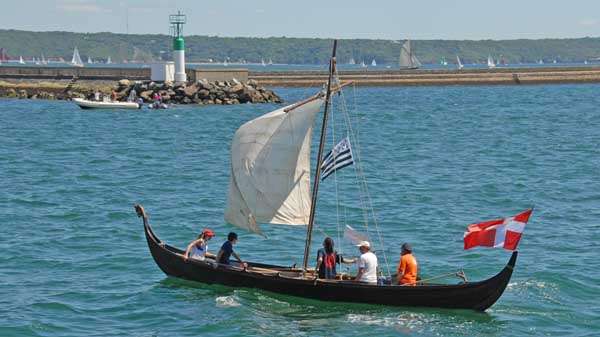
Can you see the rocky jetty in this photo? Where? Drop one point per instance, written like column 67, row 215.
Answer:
column 201, row 92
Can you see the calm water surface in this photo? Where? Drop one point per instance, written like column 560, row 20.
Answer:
column 74, row 262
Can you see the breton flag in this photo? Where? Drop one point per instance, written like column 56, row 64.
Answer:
column 339, row 157
column 501, row 233
column 353, row 236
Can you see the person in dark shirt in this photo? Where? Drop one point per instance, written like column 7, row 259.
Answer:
column 227, row 250
column 327, row 258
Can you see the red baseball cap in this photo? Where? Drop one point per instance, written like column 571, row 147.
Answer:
column 208, row 232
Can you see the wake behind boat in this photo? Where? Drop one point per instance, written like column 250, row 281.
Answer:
column 270, row 183
column 87, row 104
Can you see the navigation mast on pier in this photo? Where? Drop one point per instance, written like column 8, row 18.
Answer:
column 177, row 21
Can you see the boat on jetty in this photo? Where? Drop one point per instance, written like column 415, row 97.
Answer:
column 87, row 104
column 270, row 183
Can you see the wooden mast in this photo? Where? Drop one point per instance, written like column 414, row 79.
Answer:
column 319, row 159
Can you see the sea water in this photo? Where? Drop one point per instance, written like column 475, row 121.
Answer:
column 74, row 261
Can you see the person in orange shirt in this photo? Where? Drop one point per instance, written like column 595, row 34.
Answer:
column 407, row 268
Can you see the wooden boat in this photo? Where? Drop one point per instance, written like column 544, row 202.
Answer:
column 290, row 281
column 270, row 183
column 86, row 104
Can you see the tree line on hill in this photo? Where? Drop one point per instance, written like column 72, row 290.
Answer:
column 285, row 50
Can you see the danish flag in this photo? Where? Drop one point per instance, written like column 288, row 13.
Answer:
column 501, row 233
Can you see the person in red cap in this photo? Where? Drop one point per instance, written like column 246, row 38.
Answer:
column 197, row 249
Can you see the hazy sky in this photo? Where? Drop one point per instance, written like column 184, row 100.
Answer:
column 383, row 19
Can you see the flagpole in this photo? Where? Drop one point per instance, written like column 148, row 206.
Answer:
column 319, row 159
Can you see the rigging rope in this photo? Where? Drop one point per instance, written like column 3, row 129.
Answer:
column 355, row 139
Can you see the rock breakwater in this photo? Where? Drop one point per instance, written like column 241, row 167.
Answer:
column 201, row 93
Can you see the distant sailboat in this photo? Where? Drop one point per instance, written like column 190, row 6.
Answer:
column 352, row 62
column 225, row 63
column 89, row 61
column 585, row 62
column 21, row 60
column 108, row 60
column 490, row 62
column 44, row 61
column 270, row 62
column 373, row 63
column 443, row 61
column 460, row 65
column 541, row 61
column 408, row 60
column 76, row 60
column 262, row 62
column 362, row 64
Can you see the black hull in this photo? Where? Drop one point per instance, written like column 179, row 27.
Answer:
column 470, row 295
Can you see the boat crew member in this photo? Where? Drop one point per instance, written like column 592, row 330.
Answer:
column 198, row 249
column 327, row 258
column 367, row 268
column 114, row 95
column 227, row 250
column 407, row 268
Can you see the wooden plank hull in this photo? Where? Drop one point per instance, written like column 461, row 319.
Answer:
column 286, row 280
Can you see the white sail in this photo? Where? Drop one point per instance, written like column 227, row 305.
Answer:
column 490, row 62
column 89, row 60
column 108, row 60
column 460, row 65
column 270, row 169
column 373, row 63
column 44, row 61
column 407, row 58
column 352, row 61
column 21, row 60
column 76, row 60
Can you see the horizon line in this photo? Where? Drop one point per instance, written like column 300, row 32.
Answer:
column 297, row 37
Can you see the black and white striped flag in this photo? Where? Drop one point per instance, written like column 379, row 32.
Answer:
column 339, row 157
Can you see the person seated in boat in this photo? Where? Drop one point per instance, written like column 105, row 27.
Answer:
column 327, row 258
column 227, row 250
column 367, row 268
column 114, row 96
column 156, row 100
column 132, row 96
column 198, row 249
column 407, row 268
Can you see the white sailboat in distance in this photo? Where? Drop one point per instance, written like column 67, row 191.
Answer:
column 21, row 61
column 460, row 65
column 108, row 60
column 76, row 60
column 408, row 60
column 490, row 62
column 373, row 63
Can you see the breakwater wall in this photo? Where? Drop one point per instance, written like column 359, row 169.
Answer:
column 407, row 78
column 384, row 78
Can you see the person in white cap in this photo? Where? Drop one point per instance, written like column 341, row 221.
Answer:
column 367, row 268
